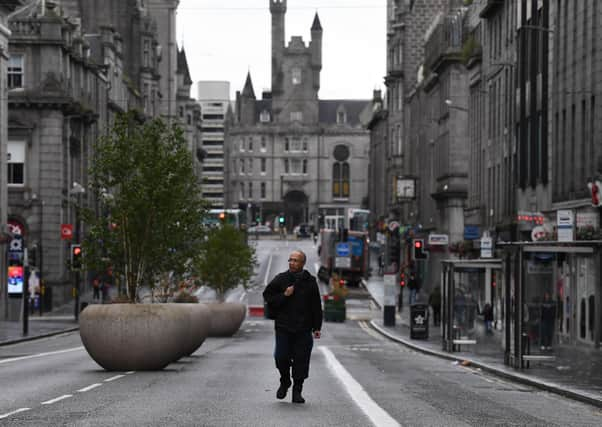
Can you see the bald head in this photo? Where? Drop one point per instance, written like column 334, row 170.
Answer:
column 296, row 261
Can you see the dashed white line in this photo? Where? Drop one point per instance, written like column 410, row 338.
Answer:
column 116, row 377
column 33, row 356
column 90, row 387
column 8, row 414
column 376, row 414
column 57, row 399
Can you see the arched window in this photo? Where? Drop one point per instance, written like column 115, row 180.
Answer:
column 341, row 187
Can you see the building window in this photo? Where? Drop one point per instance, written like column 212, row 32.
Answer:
column 296, row 76
column 296, row 166
column 264, row 116
column 340, row 180
column 305, row 144
column 341, row 117
column 250, row 143
column 286, row 168
column 250, row 167
column 242, row 166
column 242, row 144
column 242, row 190
column 287, row 144
column 16, row 162
column 296, row 116
column 146, row 53
column 263, row 144
column 263, row 165
column 15, row 71
column 250, row 190
column 304, row 166
column 296, row 144
column 263, row 190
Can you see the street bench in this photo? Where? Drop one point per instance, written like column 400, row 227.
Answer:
column 537, row 358
column 459, row 342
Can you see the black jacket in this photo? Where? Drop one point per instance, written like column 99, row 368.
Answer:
column 302, row 311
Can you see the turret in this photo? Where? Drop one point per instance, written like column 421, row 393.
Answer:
column 316, row 50
column 278, row 11
column 247, row 103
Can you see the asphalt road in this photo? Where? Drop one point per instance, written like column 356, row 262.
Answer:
column 357, row 378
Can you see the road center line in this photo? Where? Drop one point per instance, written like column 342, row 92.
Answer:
column 57, row 399
column 376, row 414
column 267, row 271
column 116, row 377
column 90, row 387
column 8, row 414
column 33, row 356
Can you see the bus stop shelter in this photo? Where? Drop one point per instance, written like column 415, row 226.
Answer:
column 460, row 299
column 553, row 293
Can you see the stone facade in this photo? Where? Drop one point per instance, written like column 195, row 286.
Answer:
column 291, row 152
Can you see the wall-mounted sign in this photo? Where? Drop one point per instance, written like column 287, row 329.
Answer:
column 15, row 279
column 565, row 221
column 438, row 239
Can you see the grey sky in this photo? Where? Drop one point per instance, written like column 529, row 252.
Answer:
column 226, row 38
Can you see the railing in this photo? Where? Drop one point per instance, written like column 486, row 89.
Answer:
column 25, row 27
column 445, row 40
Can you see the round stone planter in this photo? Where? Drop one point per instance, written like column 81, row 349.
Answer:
column 198, row 326
column 135, row 337
column 226, row 318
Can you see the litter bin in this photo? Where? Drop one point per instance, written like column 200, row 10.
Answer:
column 419, row 321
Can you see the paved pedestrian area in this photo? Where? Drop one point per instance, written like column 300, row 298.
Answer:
column 575, row 372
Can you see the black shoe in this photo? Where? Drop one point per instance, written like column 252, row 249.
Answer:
column 281, row 392
column 297, row 398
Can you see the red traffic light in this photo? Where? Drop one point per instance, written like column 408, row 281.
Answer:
column 77, row 250
column 402, row 283
column 418, row 244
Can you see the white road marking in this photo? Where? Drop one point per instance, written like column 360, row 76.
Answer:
column 267, row 272
column 116, row 377
column 376, row 414
column 57, row 399
column 370, row 331
column 130, row 372
column 33, row 356
column 8, row 414
column 90, row 387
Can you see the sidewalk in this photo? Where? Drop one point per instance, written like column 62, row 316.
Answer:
column 58, row 321
column 576, row 372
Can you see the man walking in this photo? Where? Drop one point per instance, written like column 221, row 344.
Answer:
column 293, row 298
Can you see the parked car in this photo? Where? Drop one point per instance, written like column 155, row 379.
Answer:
column 259, row 229
column 302, row 231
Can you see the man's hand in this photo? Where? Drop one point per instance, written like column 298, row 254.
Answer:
column 289, row 291
column 317, row 335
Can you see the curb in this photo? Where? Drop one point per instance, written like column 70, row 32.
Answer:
column 546, row 386
column 36, row 337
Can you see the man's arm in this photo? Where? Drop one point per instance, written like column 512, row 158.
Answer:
column 273, row 294
column 316, row 307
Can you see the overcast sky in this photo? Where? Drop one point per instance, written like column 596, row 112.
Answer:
column 226, row 38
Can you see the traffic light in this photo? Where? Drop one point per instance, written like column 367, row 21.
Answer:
column 419, row 252
column 281, row 220
column 258, row 219
column 402, row 279
column 76, row 257
column 222, row 216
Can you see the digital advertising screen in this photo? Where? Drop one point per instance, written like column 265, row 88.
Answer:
column 15, row 279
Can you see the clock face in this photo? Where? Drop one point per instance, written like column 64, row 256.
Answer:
column 406, row 188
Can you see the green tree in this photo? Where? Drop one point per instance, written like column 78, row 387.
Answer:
column 225, row 260
column 149, row 217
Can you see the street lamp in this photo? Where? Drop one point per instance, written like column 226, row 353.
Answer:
column 450, row 104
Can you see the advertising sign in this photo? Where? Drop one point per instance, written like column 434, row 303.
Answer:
column 565, row 221
column 15, row 279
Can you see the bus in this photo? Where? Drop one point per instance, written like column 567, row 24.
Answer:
column 216, row 217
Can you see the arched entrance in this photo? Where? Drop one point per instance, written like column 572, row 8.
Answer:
column 295, row 208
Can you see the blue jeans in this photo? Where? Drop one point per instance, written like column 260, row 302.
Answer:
column 293, row 349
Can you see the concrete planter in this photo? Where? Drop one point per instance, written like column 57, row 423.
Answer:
column 135, row 337
column 198, row 326
column 226, row 318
